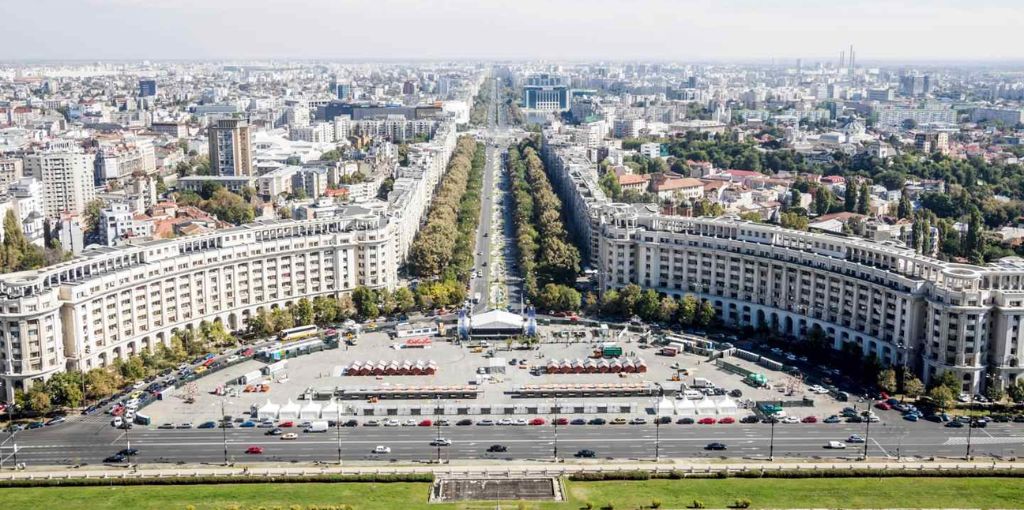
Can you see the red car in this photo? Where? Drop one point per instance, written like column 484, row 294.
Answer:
column 426, row 423
column 254, row 450
column 727, row 419
column 537, row 421
column 706, row 421
column 561, row 421
column 287, row 424
column 883, row 406
column 810, row 419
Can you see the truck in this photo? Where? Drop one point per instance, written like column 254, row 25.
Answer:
column 669, row 351
column 317, row 426
column 249, row 377
column 142, row 419
column 476, row 298
column 611, row 351
column 700, row 382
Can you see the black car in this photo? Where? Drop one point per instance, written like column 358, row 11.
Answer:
column 597, row 421
column 578, row 421
column 855, row 419
column 715, row 446
column 497, row 448
column 1019, row 418
column 749, row 419
column 350, row 423
column 735, row 393
column 128, row 452
column 1001, row 418
column 665, row 420
column 979, row 424
column 956, row 424
column 464, row 421
column 586, row 454
column 685, row 421
column 36, row 425
column 117, row 457
column 277, row 431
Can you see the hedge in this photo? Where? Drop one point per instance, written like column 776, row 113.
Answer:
column 214, row 480
column 799, row 473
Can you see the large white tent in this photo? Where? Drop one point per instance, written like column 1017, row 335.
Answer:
column 331, row 410
column 727, row 406
column 706, row 407
column 686, row 407
column 310, row 411
column 665, row 407
column 289, row 411
column 268, row 411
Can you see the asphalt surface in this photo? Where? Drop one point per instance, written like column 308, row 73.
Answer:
column 89, row 441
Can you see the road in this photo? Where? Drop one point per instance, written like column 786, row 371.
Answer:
column 89, row 442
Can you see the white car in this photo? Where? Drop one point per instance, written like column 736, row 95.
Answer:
column 790, row 419
column 441, row 442
column 855, row 439
column 836, row 445
column 116, row 422
column 382, row 449
column 505, row 421
column 409, row 423
column 391, row 423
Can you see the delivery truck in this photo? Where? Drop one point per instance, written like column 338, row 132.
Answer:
column 317, row 426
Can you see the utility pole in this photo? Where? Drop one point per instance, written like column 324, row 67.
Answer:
column 128, row 441
column 437, row 427
column 970, row 425
column 338, row 433
column 557, row 409
column 224, row 431
column 867, row 428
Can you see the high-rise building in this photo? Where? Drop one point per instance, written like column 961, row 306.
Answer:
column 343, row 90
column 546, row 92
column 10, row 171
column 67, row 179
column 147, row 88
column 230, row 147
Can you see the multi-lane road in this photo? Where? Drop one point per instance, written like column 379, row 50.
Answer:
column 89, row 442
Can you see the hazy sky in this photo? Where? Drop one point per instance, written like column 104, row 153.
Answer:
column 534, row 29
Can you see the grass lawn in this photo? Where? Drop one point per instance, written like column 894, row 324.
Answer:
column 775, row 493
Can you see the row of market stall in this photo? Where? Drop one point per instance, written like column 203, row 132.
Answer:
column 393, row 367
column 293, row 411
column 707, row 406
column 596, row 366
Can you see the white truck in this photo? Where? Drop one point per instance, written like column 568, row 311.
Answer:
column 317, row 426
column 700, row 382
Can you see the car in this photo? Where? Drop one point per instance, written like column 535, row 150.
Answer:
column 266, row 424
column 350, row 423
column 809, row 419
column 537, row 421
column 750, row 418
column 854, row 419
column 371, row 423
column 504, row 421
column 166, row 426
column 519, row 422
column 835, row 445
column 1018, row 418
column 586, row 454
column 39, row 425
column 685, row 421
column 116, row 458
column 578, row 421
column 1001, row 418
column 426, row 423
column 116, row 422
column 597, row 421
column 832, row 419
column 289, row 436
column 248, row 424
column 207, row 425
column 381, row 449
column 663, row 420
column 286, row 424
column 715, row 446
column 638, row 421
column 128, row 452
column 955, row 424
column 441, row 442
column 497, row 448
column 883, row 406
column 227, row 425
column 410, row 423
column 855, row 438
column 463, row 422
column 789, row 419
column 185, row 425
column 728, row 420
column 276, row 431
column 707, row 421
column 618, row 421
column 254, row 450
column 560, row 421
column 56, row 421
column 979, row 423
column 485, row 423
column 392, row 423
column 910, row 417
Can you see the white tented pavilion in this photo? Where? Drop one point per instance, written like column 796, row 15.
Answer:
column 289, row 411
column 706, row 407
column 310, row 411
column 268, row 411
column 727, row 406
column 665, row 407
column 686, row 407
column 331, row 411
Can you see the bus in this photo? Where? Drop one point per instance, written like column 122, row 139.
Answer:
column 298, row 333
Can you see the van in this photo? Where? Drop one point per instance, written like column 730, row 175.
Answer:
column 317, row 426
column 693, row 395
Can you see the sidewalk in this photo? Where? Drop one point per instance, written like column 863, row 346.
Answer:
column 487, row 470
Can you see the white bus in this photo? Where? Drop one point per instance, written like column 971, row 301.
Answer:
column 298, row 333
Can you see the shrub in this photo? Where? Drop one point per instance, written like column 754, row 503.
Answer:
column 741, row 503
column 655, row 503
column 589, row 506
column 697, row 504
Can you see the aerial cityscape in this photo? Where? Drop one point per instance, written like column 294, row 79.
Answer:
column 756, row 264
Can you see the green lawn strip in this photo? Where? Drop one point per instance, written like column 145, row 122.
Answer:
column 808, row 493
column 774, row 493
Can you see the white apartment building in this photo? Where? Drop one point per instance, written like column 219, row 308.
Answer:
column 66, row 176
column 117, row 225
column 888, row 301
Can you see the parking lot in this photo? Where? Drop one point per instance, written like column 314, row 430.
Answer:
column 463, row 365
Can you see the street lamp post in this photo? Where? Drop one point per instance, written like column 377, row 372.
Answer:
column 970, row 425
column 338, row 433
column 128, row 442
column 867, row 427
column 437, row 427
column 555, row 451
column 771, row 440
column 224, row 431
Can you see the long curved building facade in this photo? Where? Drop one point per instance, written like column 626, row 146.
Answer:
column 113, row 303
column 888, row 301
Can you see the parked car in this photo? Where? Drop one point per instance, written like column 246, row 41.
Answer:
column 750, row 418
column 715, row 446
column 955, row 424
column 578, row 421
column 706, row 421
column 485, row 423
column 727, row 420
column 638, row 421
column 426, row 423
column 208, row 425
column 537, row 421
column 809, row 419
column 685, row 421
column 597, row 421
column 464, row 422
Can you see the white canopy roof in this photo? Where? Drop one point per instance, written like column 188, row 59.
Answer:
column 665, row 407
column 496, row 319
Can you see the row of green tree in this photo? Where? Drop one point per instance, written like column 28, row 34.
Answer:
column 548, row 261
column 649, row 305
column 433, row 250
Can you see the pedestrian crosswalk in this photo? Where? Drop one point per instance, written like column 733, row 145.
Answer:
column 984, row 440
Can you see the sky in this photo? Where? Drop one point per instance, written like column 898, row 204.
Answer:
column 681, row 30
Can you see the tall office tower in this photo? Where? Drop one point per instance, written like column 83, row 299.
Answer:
column 66, row 176
column 546, row 92
column 147, row 88
column 342, row 89
column 842, row 59
column 230, row 147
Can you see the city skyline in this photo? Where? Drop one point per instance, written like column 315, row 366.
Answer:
column 925, row 32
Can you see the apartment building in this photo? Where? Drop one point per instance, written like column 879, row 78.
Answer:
column 66, row 176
